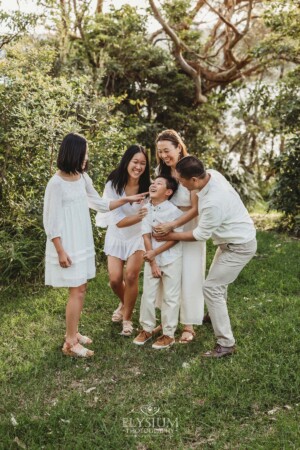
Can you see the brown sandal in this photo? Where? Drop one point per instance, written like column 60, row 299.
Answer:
column 186, row 340
column 76, row 350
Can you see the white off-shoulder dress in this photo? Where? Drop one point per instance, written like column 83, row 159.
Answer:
column 120, row 242
column 66, row 215
column 193, row 267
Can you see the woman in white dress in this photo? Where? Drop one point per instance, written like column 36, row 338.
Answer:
column 70, row 253
column 169, row 150
column 123, row 240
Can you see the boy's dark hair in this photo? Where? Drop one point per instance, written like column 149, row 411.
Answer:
column 71, row 154
column 171, row 183
column 119, row 176
column 189, row 167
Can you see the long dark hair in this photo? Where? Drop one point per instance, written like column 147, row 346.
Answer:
column 119, row 176
column 71, row 154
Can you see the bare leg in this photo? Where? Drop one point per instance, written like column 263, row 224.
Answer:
column 116, row 281
column 133, row 267
column 73, row 311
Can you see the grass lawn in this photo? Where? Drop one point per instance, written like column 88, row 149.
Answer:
column 248, row 401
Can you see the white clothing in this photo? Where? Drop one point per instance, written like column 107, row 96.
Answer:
column 66, row 215
column 222, row 214
column 170, row 286
column 120, row 242
column 193, row 268
column 164, row 212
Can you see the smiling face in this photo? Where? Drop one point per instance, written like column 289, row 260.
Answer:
column 137, row 165
column 168, row 153
column 158, row 190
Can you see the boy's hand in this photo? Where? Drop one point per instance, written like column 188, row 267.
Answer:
column 156, row 272
column 64, row 259
column 149, row 256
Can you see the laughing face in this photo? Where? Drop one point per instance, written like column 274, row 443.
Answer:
column 168, row 153
column 137, row 165
column 158, row 190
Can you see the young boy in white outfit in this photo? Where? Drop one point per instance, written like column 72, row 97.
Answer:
column 163, row 266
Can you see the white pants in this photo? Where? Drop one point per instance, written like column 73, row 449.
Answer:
column 170, row 285
column 228, row 262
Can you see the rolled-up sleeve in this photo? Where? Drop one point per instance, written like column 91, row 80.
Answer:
column 146, row 222
column 94, row 200
column 53, row 211
column 210, row 219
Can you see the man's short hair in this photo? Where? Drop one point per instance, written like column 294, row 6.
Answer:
column 171, row 183
column 189, row 167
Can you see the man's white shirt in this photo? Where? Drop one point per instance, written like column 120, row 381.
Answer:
column 222, row 214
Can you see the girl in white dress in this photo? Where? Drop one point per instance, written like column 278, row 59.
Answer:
column 70, row 253
column 169, row 150
column 123, row 240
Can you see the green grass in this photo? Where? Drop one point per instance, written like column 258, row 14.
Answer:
column 249, row 401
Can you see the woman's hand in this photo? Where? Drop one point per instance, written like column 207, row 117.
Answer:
column 164, row 228
column 149, row 256
column 138, row 198
column 64, row 259
column 142, row 213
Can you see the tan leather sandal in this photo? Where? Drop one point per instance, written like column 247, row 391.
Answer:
column 117, row 314
column 76, row 350
column 186, row 340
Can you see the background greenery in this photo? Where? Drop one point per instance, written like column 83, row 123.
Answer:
column 104, row 75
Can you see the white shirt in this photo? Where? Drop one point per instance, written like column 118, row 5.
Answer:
column 164, row 212
column 222, row 214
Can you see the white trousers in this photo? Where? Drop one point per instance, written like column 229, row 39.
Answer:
column 170, row 286
column 228, row 262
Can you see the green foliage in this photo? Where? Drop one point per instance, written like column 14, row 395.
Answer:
column 285, row 196
column 38, row 111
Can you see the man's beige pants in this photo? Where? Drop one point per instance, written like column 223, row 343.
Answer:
column 228, row 262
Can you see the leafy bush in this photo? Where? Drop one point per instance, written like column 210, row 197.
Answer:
column 285, row 196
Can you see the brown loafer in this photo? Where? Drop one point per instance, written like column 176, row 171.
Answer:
column 219, row 351
column 206, row 318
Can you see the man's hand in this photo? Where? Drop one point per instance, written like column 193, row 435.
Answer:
column 167, row 237
column 149, row 256
column 164, row 228
column 156, row 272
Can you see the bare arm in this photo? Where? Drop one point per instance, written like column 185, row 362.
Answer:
column 132, row 220
column 63, row 257
column 173, row 236
column 165, row 228
column 156, row 272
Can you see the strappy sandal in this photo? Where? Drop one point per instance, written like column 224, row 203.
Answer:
column 127, row 328
column 117, row 314
column 76, row 350
column 186, row 340
column 83, row 340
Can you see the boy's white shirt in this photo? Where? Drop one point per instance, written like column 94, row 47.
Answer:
column 162, row 213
